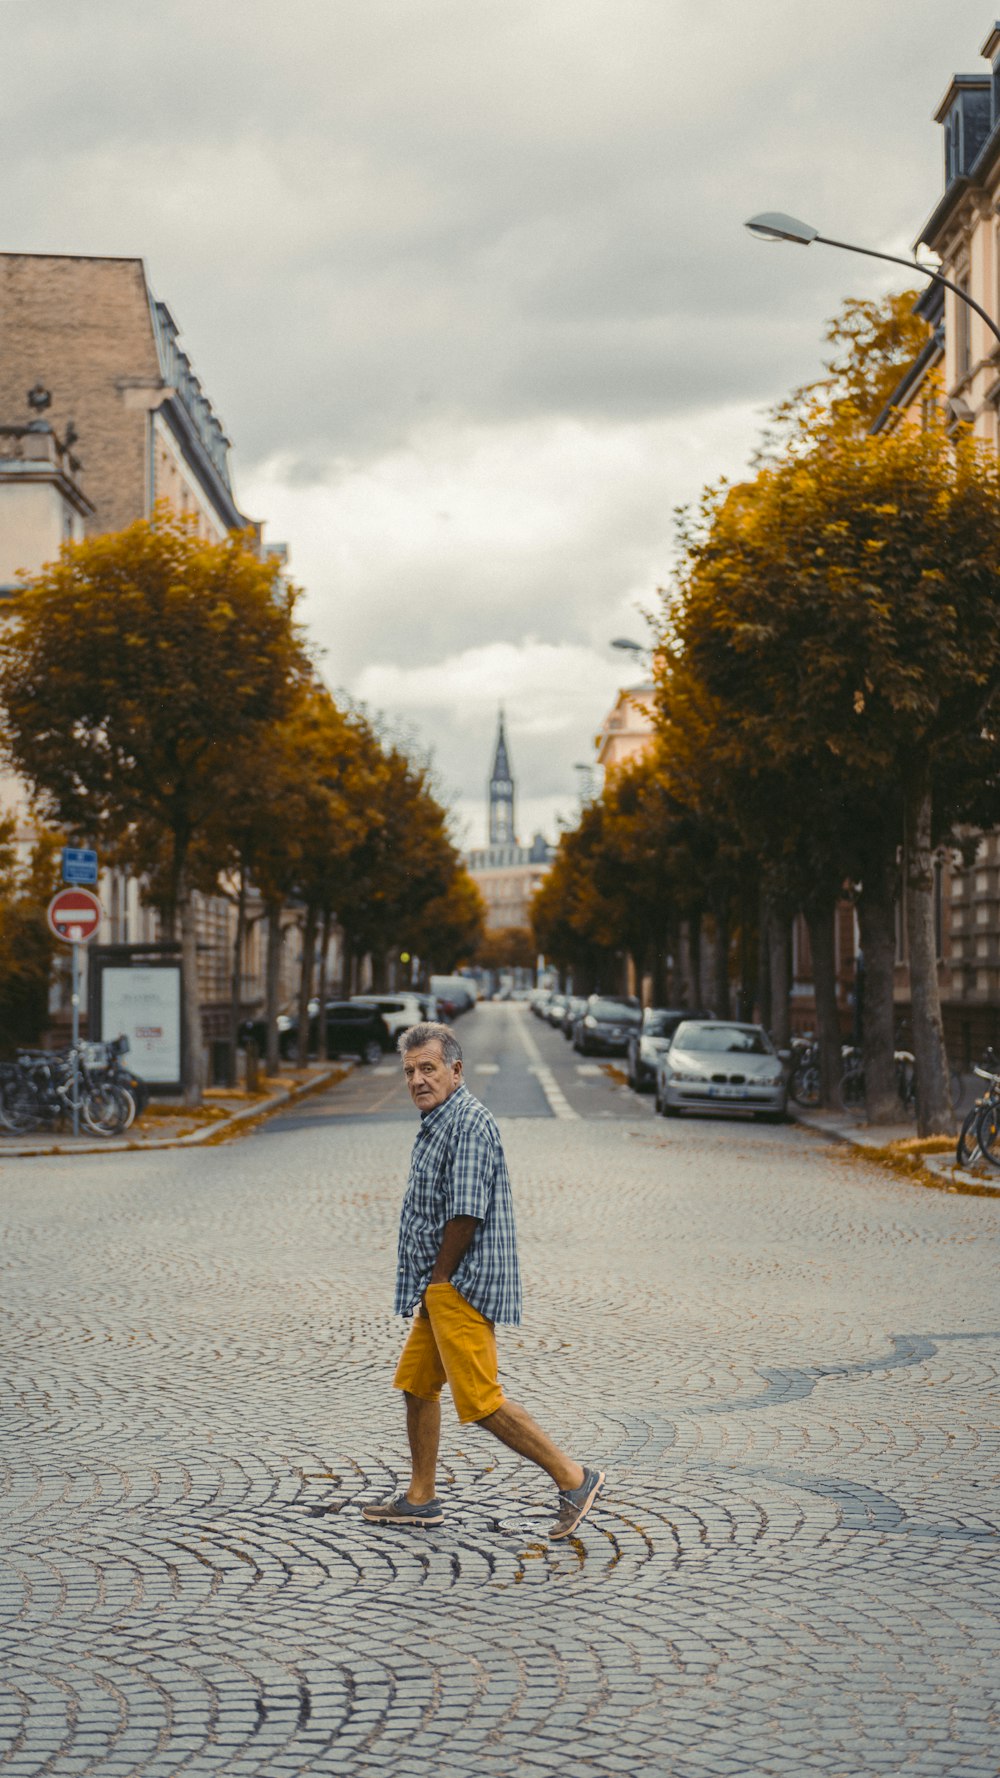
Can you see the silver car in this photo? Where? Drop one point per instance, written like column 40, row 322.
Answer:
column 721, row 1066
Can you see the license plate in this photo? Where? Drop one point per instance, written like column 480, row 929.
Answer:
column 727, row 1092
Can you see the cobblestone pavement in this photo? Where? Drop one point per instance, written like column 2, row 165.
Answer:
column 786, row 1360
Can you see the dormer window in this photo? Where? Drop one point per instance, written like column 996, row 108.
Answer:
column 967, row 117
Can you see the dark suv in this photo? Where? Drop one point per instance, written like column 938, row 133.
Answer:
column 604, row 1025
column 353, row 1028
column 647, row 1043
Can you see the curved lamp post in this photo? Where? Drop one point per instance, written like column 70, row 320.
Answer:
column 774, row 226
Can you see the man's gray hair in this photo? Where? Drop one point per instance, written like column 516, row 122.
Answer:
column 418, row 1035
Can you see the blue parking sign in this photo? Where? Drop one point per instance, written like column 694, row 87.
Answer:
column 79, row 865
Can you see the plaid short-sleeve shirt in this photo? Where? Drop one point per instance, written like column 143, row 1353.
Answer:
column 458, row 1169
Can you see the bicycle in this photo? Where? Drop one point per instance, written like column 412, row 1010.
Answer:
column 851, row 1090
column 804, row 1079
column 45, row 1087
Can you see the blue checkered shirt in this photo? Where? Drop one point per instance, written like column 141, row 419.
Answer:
column 458, row 1169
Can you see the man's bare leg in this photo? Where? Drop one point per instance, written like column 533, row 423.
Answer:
column 516, row 1429
column 423, row 1429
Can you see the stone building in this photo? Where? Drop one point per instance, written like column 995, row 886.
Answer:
column 506, row 873
column 87, row 345
column 956, row 378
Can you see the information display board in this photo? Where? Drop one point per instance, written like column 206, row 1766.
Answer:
column 144, row 1003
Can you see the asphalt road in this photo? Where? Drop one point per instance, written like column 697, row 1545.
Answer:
column 514, row 1063
column 786, row 1360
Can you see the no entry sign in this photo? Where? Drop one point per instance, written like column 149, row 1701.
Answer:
column 74, row 915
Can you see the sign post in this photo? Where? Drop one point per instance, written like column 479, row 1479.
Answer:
column 74, row 916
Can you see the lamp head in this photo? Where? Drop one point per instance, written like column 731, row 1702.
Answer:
column 773, row 225
column 626, row 642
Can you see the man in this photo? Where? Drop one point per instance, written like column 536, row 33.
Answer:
column 458, row 1268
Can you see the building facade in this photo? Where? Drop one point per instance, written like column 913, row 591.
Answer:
column 956, row 381
column 506, row 873
column 92, row 364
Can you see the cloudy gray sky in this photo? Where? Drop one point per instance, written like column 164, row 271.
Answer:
column 467, row 283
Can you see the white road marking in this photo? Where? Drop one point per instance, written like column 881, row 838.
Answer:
column 385, row 1068
column 487, row 1068
column 588, row 1068
column 559, row 1105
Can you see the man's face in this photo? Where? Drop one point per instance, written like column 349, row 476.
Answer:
column 430, row 1078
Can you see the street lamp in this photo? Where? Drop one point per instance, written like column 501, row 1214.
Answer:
column 773, row 225
column 627, row 643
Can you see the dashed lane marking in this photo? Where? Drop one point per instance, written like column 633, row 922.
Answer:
column 588, row 1068
column 558, row 1103
column 487, row 1068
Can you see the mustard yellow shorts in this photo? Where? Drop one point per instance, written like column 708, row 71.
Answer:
column 451, row 1344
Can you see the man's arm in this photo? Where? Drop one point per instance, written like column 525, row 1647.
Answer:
column 457, row 1237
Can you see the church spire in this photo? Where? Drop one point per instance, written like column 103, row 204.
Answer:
column 501, row 792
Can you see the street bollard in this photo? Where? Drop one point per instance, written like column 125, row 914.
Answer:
column 253, row 1065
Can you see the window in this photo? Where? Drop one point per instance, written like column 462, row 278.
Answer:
column 963, row 329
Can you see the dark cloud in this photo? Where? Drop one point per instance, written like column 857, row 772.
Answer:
column 484, row 261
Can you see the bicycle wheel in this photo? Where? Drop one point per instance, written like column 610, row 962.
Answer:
column 851, row 1091
column 107, row 1110
column 804, row 1084
column 988, row 1132
column 967, row 1147
column 18, row 1106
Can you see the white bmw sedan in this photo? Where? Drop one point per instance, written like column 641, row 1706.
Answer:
column 721, row 1066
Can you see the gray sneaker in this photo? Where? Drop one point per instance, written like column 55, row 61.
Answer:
column 400, row 1511
column 575, row 1503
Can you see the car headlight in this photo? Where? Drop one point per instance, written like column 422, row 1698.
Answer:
column 590, row 1020
column 772, row 1080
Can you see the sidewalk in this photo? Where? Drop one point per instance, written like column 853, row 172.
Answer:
column 899, row 1145
column 168, row 1123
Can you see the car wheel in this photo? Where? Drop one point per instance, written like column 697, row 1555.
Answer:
column 372, row 1052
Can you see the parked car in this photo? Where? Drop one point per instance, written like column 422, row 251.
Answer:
column 454, row 994
column 604, row 1025
column 649, row 1042
column 400, row 1011
column 540, row 998
column 555, row 1009
column 353, row 1028
column 718, row 1063
column 576, row 1006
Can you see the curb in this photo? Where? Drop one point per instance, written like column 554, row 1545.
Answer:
column 239, row 1123
column 947, row 1176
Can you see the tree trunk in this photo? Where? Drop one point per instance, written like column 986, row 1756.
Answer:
column 694, row 960
column 236, row 978
column 935, row 1116
column 820, row 921
column 271, row 980
column 324, row 963
column 764, row 1004
column 191, row 1065
column 780, row 973
column 306, row 979
column 720, row 957
column 661, row 989
column 379, row 973
column 877, row 925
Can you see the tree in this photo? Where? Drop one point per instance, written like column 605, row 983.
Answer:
column 874, row 341
column 138, row 674
column 506, row 947
column 26, row 943
column 841, row 613
column 448, row 930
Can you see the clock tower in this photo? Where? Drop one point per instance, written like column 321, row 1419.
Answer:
column 501, row 794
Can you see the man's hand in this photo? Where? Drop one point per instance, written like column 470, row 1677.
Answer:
column 457, row 1238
